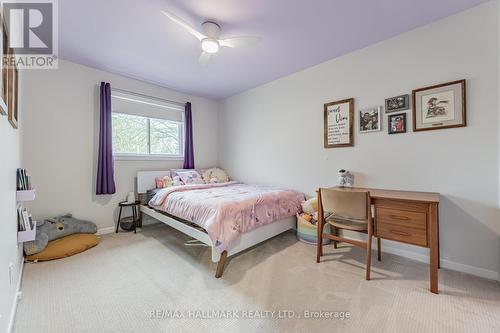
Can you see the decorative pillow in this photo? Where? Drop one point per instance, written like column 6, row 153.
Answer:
column 190, row 177
column 217, row 173
column 175, row 172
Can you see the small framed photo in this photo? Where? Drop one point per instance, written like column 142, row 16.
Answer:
column 339, row 124
column 370, row 120
column 440, row 106
column 398, row 103
column 397, row 123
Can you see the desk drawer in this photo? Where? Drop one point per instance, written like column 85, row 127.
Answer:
column 400, row 225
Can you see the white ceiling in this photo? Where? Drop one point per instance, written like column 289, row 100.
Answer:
column 134, row 39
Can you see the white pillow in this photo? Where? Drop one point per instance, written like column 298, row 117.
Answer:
column 190, row 177
column 218, row 174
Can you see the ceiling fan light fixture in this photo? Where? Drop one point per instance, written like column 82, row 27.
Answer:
column 210, row 45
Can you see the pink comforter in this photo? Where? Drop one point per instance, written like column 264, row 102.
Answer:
column 226, row 210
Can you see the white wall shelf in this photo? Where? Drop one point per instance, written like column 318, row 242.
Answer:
column 26, row 235
column 27, row 195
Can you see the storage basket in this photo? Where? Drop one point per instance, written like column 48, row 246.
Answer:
column 307, row 232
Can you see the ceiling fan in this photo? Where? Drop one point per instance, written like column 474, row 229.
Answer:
column 209, row 37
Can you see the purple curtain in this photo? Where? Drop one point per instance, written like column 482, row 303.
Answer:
column 188, row 149
column 105, row 183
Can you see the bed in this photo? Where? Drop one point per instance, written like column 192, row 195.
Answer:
column 229, row 217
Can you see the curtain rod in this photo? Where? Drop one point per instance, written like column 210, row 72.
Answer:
column 146, row 96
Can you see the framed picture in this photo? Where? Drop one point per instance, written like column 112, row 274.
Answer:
column 3, row 70
column 440, row 106
column 398, row 103
column 338, row 123
column 370, row 120
column 397, row 123
column 12, row 93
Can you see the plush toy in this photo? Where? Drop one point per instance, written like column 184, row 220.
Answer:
column 315, row 216
column 310, row 206
column 217, row 173
column 57, row 227
column 307, row 217
column 167, row 181
column 176, row 181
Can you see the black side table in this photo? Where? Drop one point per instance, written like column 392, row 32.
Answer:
column 135, row 213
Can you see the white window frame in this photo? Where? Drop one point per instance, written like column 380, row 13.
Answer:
column 149, row 156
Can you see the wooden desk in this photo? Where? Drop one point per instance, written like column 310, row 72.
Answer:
column 408, row 217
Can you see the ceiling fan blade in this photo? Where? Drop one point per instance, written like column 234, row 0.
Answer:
column 183, row 24
column 204, row 58
column 239, row 41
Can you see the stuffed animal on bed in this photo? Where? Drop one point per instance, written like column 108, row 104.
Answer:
column 167, row 181
column 176, row 181
column 57, row 227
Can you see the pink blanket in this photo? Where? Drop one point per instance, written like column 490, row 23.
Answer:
column 226, row 210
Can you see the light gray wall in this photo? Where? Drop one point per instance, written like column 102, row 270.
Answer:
column 60, row 147
column 273, row 134
column 9, row 253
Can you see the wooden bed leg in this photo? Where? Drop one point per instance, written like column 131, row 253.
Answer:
column 220, row 264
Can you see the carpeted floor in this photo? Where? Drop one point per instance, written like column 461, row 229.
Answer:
column 150, row 282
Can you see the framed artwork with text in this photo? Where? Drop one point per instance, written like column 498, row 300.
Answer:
column 338, row 123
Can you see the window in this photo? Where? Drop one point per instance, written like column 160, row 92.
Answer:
column 146, row 128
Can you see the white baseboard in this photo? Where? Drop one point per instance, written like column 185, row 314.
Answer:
column 388, row 247
column 16, row 298
column 445, row 263
column 104, row 231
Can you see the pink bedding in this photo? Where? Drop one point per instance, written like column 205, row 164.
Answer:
column 226, row 210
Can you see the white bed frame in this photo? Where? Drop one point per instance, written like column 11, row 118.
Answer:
column 146, row 181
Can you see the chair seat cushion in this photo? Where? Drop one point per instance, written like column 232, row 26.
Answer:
column 65, row 247
column 347, row 223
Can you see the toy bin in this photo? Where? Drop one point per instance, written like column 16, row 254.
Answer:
column 307, row 232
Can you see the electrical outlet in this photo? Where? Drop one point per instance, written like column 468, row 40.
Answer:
column 11, row 273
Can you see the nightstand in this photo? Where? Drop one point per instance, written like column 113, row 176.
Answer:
column 135, row 214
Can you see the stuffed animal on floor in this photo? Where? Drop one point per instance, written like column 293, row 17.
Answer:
column 310, row 209
column 310, row 206
column 55, row 228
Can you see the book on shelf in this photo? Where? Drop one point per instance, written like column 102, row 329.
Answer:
column 25, row 220
column 23, row 180
column 32, row 222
